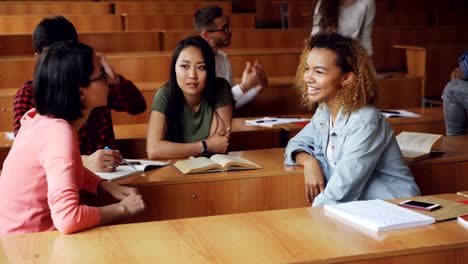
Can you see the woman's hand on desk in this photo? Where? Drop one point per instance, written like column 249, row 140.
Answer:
column 133, row 204
column 313, row 176
column 102, row 160
column 219, row 141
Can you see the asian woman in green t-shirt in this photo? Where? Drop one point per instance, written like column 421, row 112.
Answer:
column 191, row 114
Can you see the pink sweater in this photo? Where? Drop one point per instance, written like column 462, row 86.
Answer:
column 41, row 179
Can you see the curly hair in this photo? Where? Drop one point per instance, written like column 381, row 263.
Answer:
column 350, row 57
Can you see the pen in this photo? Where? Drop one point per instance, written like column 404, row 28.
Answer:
column 389, row 112
column 123, row 160
column 263, row 121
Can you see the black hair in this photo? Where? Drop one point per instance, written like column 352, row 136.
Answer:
column 51, row 30
column 176, row 101
column 204, row 18
column 59, row 73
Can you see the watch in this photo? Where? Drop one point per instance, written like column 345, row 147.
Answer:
column 205, row 148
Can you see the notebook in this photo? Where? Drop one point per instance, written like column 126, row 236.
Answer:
column 273, row 121
column 378, row 215
column 123, row 171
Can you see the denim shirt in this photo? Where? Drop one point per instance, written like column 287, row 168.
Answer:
column 369, row 164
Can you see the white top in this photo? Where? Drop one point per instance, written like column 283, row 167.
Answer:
column 224, row 70
column 331, row 146
column 355, row 20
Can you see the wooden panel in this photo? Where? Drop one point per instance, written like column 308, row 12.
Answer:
column 172, row 202
column 168, row 7
column 289, row 60
column 247, row 38
column 172, row 22
column 408, row 88
column 53, row 8
column 6, row 114
column 403, row 19
column 96, row 23
column 122, row 41
column 21, row 44
column 15, row 71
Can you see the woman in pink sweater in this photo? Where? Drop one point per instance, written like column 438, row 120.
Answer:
column 43, row 173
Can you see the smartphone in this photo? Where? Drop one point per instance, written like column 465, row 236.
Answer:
column 419, row 205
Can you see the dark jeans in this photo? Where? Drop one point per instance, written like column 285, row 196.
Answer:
column 455, row 105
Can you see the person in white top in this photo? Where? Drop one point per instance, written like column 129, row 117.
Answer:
column 351, row 18
column 214, row 27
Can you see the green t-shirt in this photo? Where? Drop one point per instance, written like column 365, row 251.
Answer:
column 196, row 124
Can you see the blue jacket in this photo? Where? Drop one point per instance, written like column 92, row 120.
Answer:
column 369, row 164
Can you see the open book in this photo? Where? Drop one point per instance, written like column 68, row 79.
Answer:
column 123, row 171
column 218, row 162
column 378, row 215
column 398, row 113
column 273, row 121
column 416, row 146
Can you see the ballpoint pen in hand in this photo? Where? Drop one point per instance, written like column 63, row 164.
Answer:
column 123, row 160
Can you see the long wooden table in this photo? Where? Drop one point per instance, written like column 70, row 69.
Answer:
column 170, row 194
column 431, row 121
column 305, row 235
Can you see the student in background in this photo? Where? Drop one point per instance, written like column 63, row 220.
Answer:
column 455, row 98
column 43, row 172
column 351, row 18
column 97, row 132
column 191, row 114
column 215, row 28
column 348, row 150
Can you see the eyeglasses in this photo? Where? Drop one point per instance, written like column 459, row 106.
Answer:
column 103, row 76
column 226, row 29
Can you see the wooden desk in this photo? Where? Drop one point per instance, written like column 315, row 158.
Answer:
column 131, row 138
column 431, row 121
column 447, row 172
column 169, row 194
column 306, row 235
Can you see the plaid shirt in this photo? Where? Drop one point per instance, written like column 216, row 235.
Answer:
column 97, row 132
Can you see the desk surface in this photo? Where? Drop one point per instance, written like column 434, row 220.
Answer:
column 271, row 161
column 281, row 236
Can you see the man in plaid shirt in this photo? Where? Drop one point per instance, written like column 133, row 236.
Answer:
column 97, row 133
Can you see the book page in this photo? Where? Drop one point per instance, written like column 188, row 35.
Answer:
column 119, row 173
column 398, row 113
column 196, row 165
column 416, row 142
column 273, row 121
column 227, row 161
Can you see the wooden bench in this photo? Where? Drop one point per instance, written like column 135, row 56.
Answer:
column 168, row 7
column 54, row 8
column 172, row 22
column 82, row 23
column 154, row 66
column 246, row 38
column 434, row 63
column 384, row 37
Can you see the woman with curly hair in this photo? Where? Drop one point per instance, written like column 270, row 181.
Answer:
column 351, row 18
column 348, row 150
